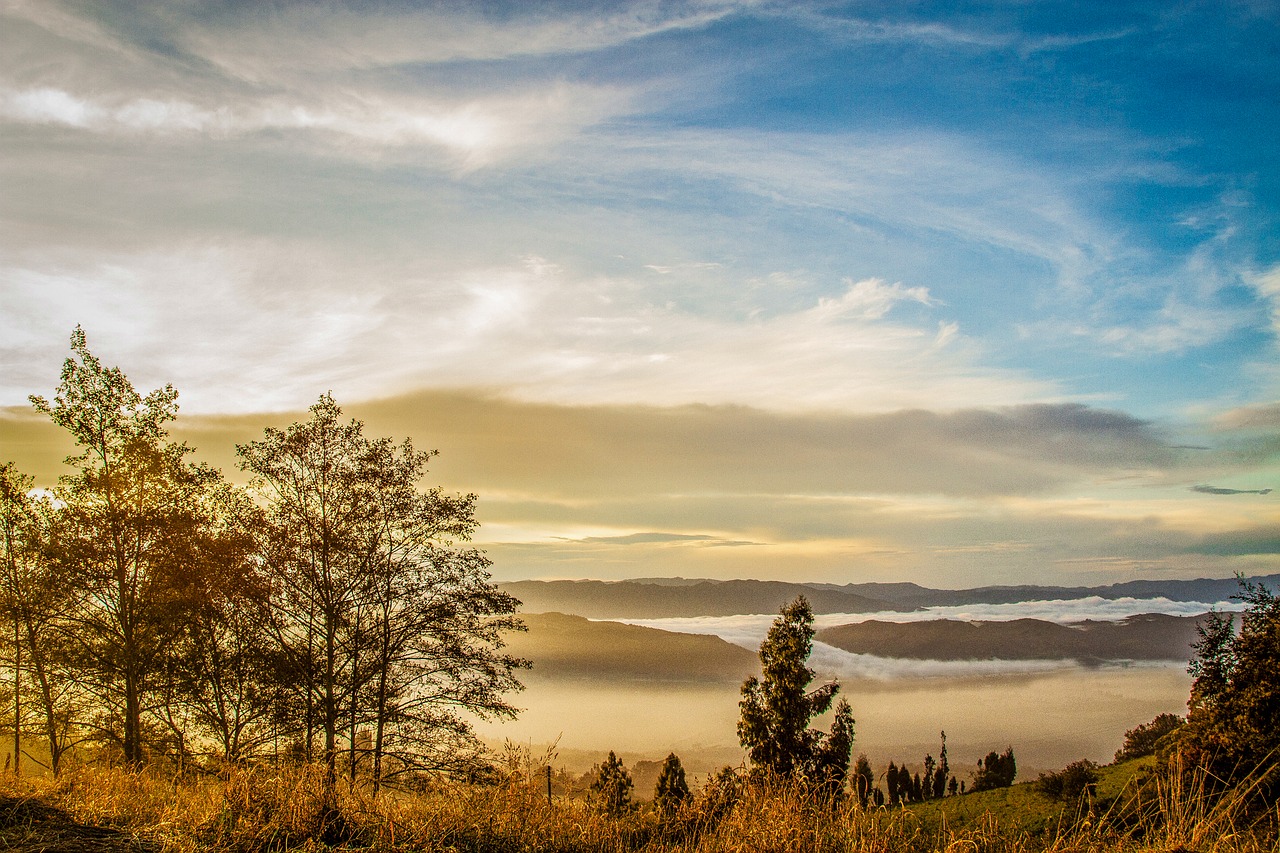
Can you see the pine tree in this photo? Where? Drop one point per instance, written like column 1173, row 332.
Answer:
column 863, row 779
column 611, row 790
column 672, row 789
column 776, row 709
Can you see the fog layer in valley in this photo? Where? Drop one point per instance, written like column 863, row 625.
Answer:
column 1050, row 718
column 749, row 630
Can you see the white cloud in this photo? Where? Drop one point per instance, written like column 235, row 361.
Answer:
column 1267, row 283
column 308, row 39
column 533, row 330
column 1176, row 327
column 480, row 129
column 50, row 106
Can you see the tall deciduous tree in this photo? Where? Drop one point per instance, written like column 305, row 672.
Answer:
column 941, row 772
column 776, row 709
column 127, row 519
column 385, row 621
column 32, row 597
column 222, row 683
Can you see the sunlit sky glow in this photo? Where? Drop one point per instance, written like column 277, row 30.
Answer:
column 804, row 290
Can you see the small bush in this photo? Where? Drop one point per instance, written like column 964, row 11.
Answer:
column 1071, row 782
column 1142, row 740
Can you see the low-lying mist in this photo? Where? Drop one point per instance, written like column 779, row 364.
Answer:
column 1050, row 718
column 749, row 630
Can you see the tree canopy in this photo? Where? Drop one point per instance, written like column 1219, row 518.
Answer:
column 1233, row 723
column 150, row 604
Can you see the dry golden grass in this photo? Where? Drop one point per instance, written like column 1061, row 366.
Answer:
column 265, row 809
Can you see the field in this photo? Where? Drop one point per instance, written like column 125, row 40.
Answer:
column 98, row 808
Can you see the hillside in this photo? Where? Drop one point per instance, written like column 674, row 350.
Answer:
column 563, row 646
column 1145, row 637
column 643, row 600
column 1021, row 806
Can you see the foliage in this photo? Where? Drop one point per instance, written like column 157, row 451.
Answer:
column 672, row 790
column 937, row 781
column 995, row 771
column 196, row 621
column 1071, row 782
column 134, row 524
column 32, row 597
column 864, row 779
column 1233, row 724
column 777, row 708
column 1142, row 740
column 611, row 790
column 382, row 621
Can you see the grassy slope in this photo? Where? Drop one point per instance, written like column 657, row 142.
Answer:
column 1021, row 806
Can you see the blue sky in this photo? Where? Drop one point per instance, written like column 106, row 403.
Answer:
column 1040, row 240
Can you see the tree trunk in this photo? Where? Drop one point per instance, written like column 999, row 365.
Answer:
column 17, row 698
column 41, row 672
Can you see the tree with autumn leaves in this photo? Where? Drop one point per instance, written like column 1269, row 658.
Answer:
column 151, row 604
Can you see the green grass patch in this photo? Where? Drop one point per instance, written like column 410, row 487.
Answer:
column 1023, row 808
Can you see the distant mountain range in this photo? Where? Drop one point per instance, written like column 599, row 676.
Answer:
column 657, row 598
column 1151, row 636
column 647, row 600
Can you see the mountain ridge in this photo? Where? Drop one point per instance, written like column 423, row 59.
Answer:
column 657, row 598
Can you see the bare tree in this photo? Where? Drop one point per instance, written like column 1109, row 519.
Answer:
column 382, row 621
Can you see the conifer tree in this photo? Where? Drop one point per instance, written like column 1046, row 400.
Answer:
column 863, row 779
column 777, row 708
column 611, row 790
column 672, row 789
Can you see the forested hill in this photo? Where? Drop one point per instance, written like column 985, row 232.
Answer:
column 656, row 598
column 644, row 600
column 563, row 646
column 1150, row 636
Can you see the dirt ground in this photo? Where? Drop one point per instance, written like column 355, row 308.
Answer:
column 31, row 826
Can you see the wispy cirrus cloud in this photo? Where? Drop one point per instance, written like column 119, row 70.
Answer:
column 478, row 129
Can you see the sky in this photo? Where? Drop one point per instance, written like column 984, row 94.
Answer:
column 951, row 293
